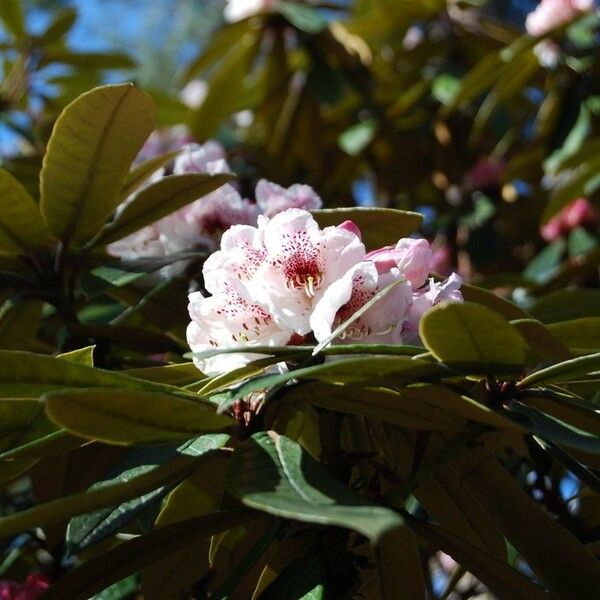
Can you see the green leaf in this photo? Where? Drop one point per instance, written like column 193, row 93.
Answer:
column 301, row 580
column 357, row 137
column 102, row 278
column 553, row 553
column 129, row 417
column 140, row 174
column 567, row 304
column 63, row 508
column 87, row 60
column 126, row 588
column 543, row 266
column 89, row 153
column 471, row 334
column 581, row 242
column 305, row 18
column 21, row 225
column 28, row 375
column 159, row 200
column 61, row 23
column 271, row 473
column 579, row 335
column 540, row 340
column 568, row 370
column 11, row 14
column 98, row 573
column 87, row 530
column 81, row 356
column 507, row 309
column 503, row 580
column 379, row 226
column 19, row 324
column 22, row 421
column 232, row 70
column 179, row 374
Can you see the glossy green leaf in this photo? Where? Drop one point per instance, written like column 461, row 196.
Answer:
column 22, row 421
column 540, row 340
column 89, row 153
column 129, row 557
column 160, row 199
column 88, row 60
column 465, row 333
column 21, row 225
column 356, row 138
column 128, row 416
column 56, row 511
column 305, row 18
column 379, row 226
column 179, row 374
column 19, row 324
column 270, row 472
column 89, row 529
column 81, row 356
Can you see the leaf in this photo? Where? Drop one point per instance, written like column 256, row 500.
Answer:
column 87, row 530
column 81, row 356
column 305, row 18
column 129, row 417
column 271, row 473
column 11, row 14
column 568, row 370
column 357, row 137
column 129, row 557
column 93, row 143
column 379, row 226
column 579, row 335
column 140, row 174
column 303, row 579
column 233, row 68
column 469, row 333
column 399, row 567
column 543, row 266
column 540, row 339
column 56, row 511
column 87, row 60
column 159, row 200
column 28, row 375
column 21, row 225
column 19, row 324
column 563, row 305
column 553, row 554
column 61, row 23
column 503, row 580
column 22, row 421
column 180, row 374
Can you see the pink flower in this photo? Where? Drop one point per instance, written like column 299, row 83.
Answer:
column 382, row 323
column 552, row 14
column 302, row 261
column 441, row 260
column 410, row 257
column 423, row 300
column 577, row 213
column 273, row 199
column 35, row 585
column 236, row 10
column 164, row 140
column 230, row 319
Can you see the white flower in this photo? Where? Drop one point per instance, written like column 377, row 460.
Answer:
column 381, row 323
column 272, row 198
column 302, row 261
column 230, row 319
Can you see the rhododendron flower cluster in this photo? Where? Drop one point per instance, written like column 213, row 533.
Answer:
column 203, row 222
column 551, row 14
column 287, row 279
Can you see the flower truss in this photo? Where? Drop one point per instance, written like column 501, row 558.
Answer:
column 203, row 222
column 287, row 280
column 551, row 14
